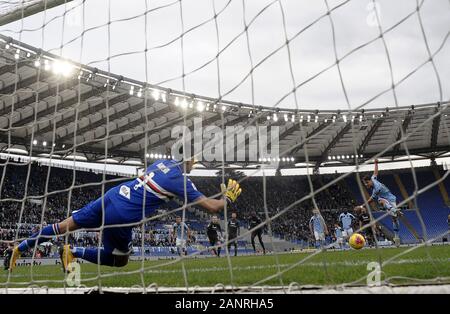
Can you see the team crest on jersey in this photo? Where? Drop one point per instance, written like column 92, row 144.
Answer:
column 163, row 168
column 125, row 191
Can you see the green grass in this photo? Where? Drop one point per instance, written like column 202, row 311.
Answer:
column 326, row 268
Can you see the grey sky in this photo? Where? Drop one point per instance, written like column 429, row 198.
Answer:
column 365, row 72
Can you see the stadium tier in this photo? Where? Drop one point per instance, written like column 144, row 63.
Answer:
column 81, row 187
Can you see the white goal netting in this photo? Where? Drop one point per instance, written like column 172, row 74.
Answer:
column 301, row 102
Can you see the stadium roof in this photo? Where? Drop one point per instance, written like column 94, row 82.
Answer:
column 42, row 97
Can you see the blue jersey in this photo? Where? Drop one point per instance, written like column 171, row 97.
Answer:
column 346, row 220
column 163, row 181
column 181, row 230
column 133, row 200
column 381, row 191
column 318, row 223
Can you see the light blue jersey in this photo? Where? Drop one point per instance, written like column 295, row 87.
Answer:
column 181, row 230
column 381, row 191
column 338, row 232
column 346, row 220
column 318, row 223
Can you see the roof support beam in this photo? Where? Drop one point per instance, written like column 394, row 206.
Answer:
column 376, row 125
column 294, row 127
column 401, row 131
column 435, row 130
column 333, row 142
column 247, row 140
column 310, row 136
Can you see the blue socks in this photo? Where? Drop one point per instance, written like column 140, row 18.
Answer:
column 91, row 255
column 88, row 254
column 39, row 237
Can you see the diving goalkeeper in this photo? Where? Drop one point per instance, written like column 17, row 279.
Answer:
column 127, row 203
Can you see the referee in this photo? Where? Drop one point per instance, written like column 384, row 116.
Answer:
column 7, row 256
column 364, row 220
column 253, row 222
column 233, row 233
column 214, row 232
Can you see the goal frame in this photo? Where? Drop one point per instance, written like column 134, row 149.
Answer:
column 30, row 9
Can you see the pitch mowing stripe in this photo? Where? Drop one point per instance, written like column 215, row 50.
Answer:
column 249, row 268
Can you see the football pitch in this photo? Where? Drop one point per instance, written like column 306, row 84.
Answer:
column 399, row 266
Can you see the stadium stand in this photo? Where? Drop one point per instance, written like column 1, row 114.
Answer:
column 429, row 204
column 292, row 226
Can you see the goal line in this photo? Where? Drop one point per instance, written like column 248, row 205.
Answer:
column 291, row 289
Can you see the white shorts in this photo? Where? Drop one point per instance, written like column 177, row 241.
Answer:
column 180, row 243
column 393, row 211
column 319, row 236
column 347, row 232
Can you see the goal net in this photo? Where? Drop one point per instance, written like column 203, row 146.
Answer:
column 332, row 116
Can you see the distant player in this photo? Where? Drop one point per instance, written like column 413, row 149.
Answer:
column 346, row 219
column 385, row 199
column 338, row 233
column 318, row 228
column 7, row 256
column 181, row 233
column 128, row 203
column 233, row 233
column 214, row 232
column 253, row 223
column 364, row 220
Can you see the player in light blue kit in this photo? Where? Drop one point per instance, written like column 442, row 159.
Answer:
column 383, row 196
column 128, row 203
column 318, row 228
column 181, row 233
column 346, row 219
column 338, row 233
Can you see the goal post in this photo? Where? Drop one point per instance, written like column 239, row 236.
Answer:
column 11, row 11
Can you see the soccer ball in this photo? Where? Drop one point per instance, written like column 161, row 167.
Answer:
column 357, row 241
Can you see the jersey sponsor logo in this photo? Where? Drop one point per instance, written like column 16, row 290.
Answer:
column 164, row 169
column 125, row 191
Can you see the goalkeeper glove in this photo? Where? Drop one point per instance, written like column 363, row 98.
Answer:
column 232, row 191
